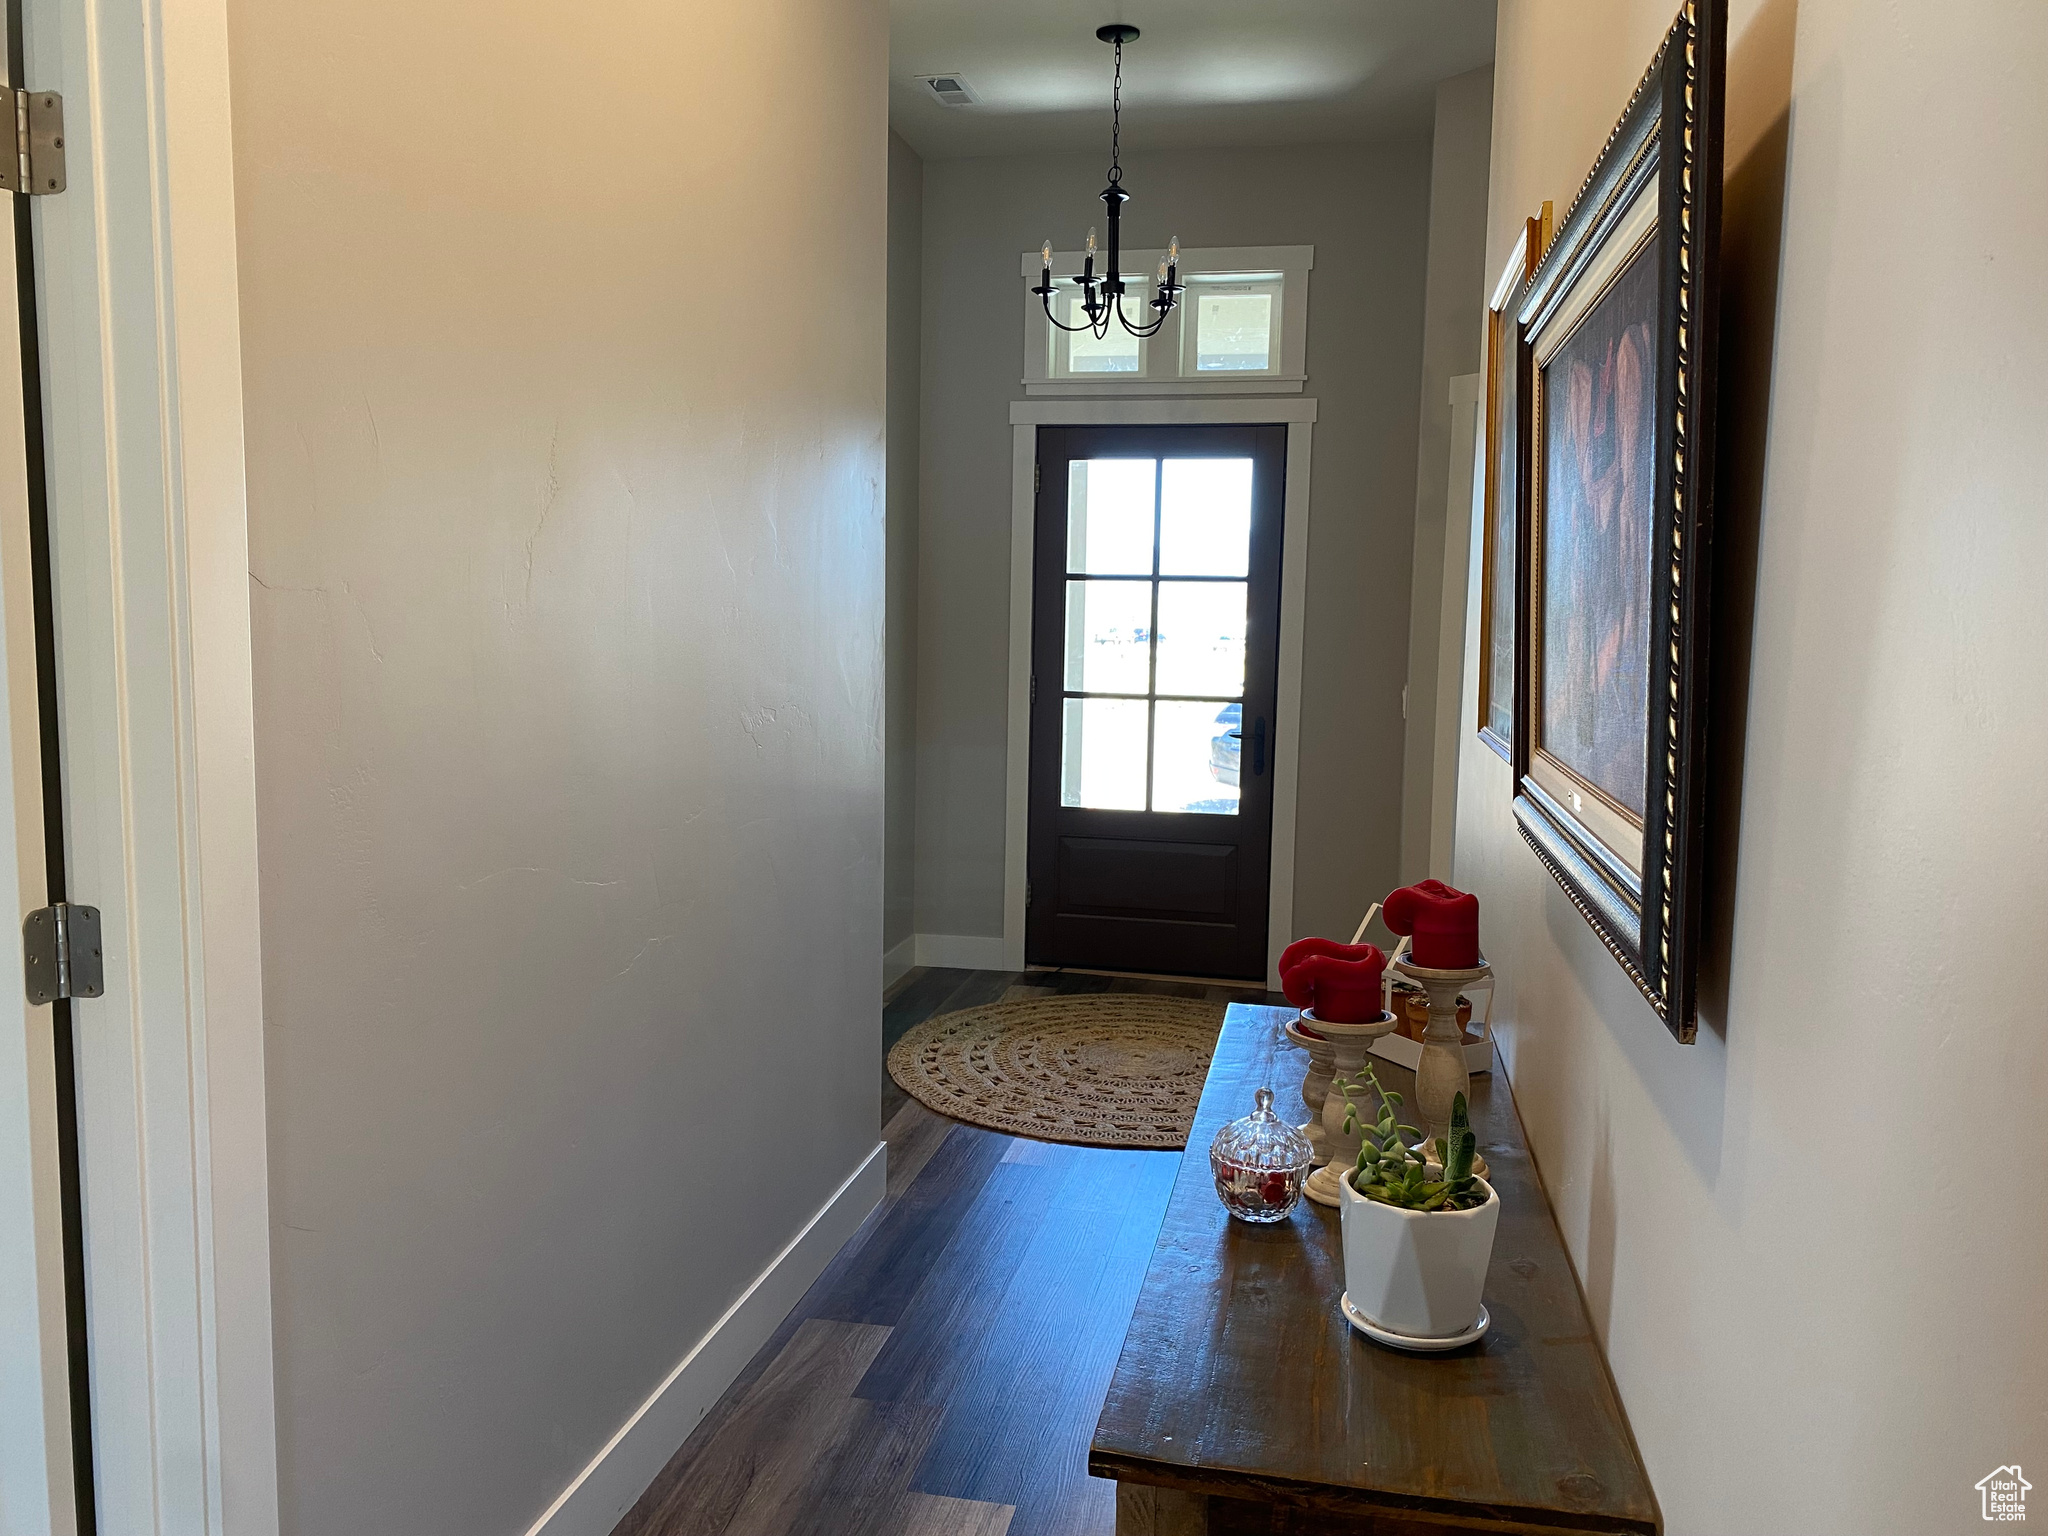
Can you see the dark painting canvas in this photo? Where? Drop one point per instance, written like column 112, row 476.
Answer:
column 1599, row 406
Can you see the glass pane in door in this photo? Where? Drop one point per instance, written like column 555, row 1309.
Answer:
column 1205, row 517
column 1102, row 754
column 1109, row 633
column 1109, row 516
column 1195, row 754
column 1158, row 552
column 1201, row 638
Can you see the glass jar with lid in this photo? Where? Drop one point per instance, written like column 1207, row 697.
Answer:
column 1259, row 1163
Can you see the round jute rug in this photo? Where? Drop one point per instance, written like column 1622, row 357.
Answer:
column 1106, row 1069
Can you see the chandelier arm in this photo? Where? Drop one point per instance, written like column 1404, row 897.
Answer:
column 1046, row 299
column 1141, row 332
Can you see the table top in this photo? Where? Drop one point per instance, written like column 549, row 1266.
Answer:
column 1239, row 1376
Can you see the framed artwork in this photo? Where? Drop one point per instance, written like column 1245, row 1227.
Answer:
column 1615, row 382
column 1497, row 531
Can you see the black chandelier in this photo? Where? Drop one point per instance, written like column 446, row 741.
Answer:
column 1108, row 303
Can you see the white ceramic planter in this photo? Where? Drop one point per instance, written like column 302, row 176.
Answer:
column 1418, row 1273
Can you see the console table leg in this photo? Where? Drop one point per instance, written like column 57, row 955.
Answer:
column 1143, row 1510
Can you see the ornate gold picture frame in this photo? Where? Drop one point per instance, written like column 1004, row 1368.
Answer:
column 1497, row 528
column 1614, row 392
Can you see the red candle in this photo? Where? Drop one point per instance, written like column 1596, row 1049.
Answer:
column 1443, row 923
column 1339, row 982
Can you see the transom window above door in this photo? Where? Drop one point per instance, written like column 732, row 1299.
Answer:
column 1241, row 328
column 1158, row 556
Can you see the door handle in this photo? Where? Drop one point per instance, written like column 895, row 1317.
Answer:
column 1259, row 746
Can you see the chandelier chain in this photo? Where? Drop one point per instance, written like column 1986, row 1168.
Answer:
column 1116, row 119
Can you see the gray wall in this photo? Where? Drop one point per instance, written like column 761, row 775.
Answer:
column 1452, row 336
column 566, row 531
column 906, row 250
column 1365, row 209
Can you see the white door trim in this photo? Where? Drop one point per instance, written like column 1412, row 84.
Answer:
column 142, row 362
column 36, row 1484
column 1026, row 417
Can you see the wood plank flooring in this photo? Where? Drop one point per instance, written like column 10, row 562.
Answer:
column 944, row 1375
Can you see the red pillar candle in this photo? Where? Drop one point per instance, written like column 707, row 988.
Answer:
column 1443, row 923
column 1339, row 982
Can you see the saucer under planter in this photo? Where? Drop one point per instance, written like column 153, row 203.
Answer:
column 1418, row 1275
column 1364, row 1325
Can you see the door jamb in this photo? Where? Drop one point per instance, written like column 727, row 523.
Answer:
column 139, row 267
column 1026, row 417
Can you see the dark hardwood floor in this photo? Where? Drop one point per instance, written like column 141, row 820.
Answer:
column 944, row 1375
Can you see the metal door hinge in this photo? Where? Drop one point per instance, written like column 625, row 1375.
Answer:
column 37, row 164
column 1034, row 687
column 1036, row 471
column 60, row 953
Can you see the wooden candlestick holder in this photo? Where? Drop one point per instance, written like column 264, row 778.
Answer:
column 1337, row 1149
column 1441, row 1075
column 1315, row 1087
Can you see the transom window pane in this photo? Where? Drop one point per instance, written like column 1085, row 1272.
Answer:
column 1205, row 517
column 1233, row 332
column 1115, row 352
column 1109, row 516
column 1109, row 635
column 1201, row 638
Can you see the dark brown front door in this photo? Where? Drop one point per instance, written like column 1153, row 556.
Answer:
column 1155, row 635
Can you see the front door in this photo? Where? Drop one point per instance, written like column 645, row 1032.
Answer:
column 1155, row 638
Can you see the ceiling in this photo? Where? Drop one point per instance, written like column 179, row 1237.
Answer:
column 1206, row 73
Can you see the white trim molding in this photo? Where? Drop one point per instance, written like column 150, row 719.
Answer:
column 602, row 1492
column 1026, row 417
column 1157, row 413
column 142, row 367
column 964, row 952
column 897, row 960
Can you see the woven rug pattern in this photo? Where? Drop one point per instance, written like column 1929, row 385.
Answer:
column 1102, row 1069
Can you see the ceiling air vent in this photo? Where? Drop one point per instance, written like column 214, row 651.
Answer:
column 951, row 90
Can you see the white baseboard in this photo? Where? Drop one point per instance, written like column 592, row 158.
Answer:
column 602, row 1493
column 962, row 951
column 897, row 960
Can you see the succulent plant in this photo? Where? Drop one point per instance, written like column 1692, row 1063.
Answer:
column 1392, row 1172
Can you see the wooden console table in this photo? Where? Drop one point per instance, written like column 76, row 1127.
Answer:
column 1244, row 1403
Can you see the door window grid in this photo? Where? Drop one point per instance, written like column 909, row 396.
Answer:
column 1075, row 698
